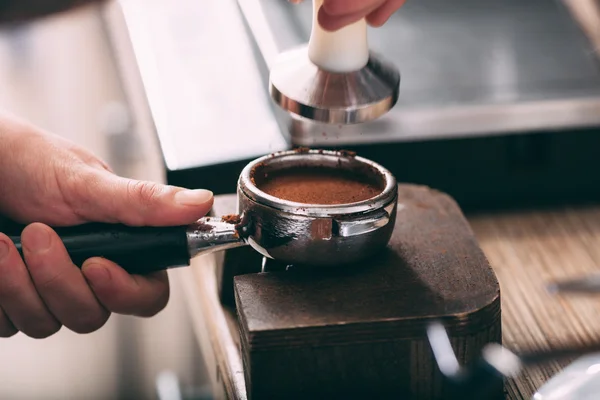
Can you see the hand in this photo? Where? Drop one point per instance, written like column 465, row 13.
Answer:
column 336, row 14
column 45, row 179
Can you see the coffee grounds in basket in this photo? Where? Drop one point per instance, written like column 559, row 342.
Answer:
column 312, row 185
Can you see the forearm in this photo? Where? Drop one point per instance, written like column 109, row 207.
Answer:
column 23, row 10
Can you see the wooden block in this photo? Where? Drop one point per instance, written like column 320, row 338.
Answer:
column 359, row 331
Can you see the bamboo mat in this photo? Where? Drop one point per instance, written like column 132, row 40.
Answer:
column 527, row 251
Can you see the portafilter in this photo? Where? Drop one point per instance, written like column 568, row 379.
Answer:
column 289, row 232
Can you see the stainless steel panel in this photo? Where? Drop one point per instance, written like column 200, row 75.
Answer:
column 468, row 67
column 201, row 80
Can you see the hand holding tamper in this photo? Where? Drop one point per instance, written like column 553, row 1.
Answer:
column 335, row 79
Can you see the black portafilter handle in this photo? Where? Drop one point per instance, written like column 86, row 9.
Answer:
column 138, row 250
column 142, row 250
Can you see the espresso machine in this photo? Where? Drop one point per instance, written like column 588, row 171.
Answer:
column 498, row 106
column 499, row 102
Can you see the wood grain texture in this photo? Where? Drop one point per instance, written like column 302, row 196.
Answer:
column 528, row 250
column 360, row 330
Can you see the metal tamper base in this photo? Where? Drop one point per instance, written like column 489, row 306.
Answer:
column 334, row 79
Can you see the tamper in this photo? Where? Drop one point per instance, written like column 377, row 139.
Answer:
column 334, row 79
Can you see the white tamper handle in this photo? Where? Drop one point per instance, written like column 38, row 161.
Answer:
column 345, row 50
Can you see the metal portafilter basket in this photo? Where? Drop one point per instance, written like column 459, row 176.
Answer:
column 289, row 232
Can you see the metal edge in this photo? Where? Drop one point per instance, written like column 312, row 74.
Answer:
column 440, row 123
column 139, row 49
column 136, row 47
column 459, row 122
column 377, row 203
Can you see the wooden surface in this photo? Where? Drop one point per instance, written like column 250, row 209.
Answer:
column 526, row 250
column 359, row 331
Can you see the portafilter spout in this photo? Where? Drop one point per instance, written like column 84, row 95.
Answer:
column 289, row 232
column 334, row 79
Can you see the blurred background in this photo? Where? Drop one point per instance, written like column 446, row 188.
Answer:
column 499, row 107
column 60, row 74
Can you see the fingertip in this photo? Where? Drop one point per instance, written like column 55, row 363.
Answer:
column 123, row 293
column 35, row 226
column 155, row 305
column 97, row 272
column 5, row 247
column 185, row 206
column 328, row 22
column 143, row 203
column 43, row 332
column 337, row 8
column 37, row 237
column 104, row 279
column 8, row 333
column 342, row 8
column 157, row 283
column 332, row 23
column 381, row 15
column 198, row 201
column 176, row 206
column 376, row 21
column 330, row 7
column 194, row 198
column 7, row 328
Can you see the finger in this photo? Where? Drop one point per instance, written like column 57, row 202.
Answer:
column 104, row 197
column 338, row 8
column 334, row 22
column 59, row 282
column 123, row 293
column 18, row 297
column 383, row 13
column 7, row 329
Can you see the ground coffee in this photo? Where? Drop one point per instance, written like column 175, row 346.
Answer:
column 318, row 186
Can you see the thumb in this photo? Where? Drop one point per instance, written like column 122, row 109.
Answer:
column 110, row 198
